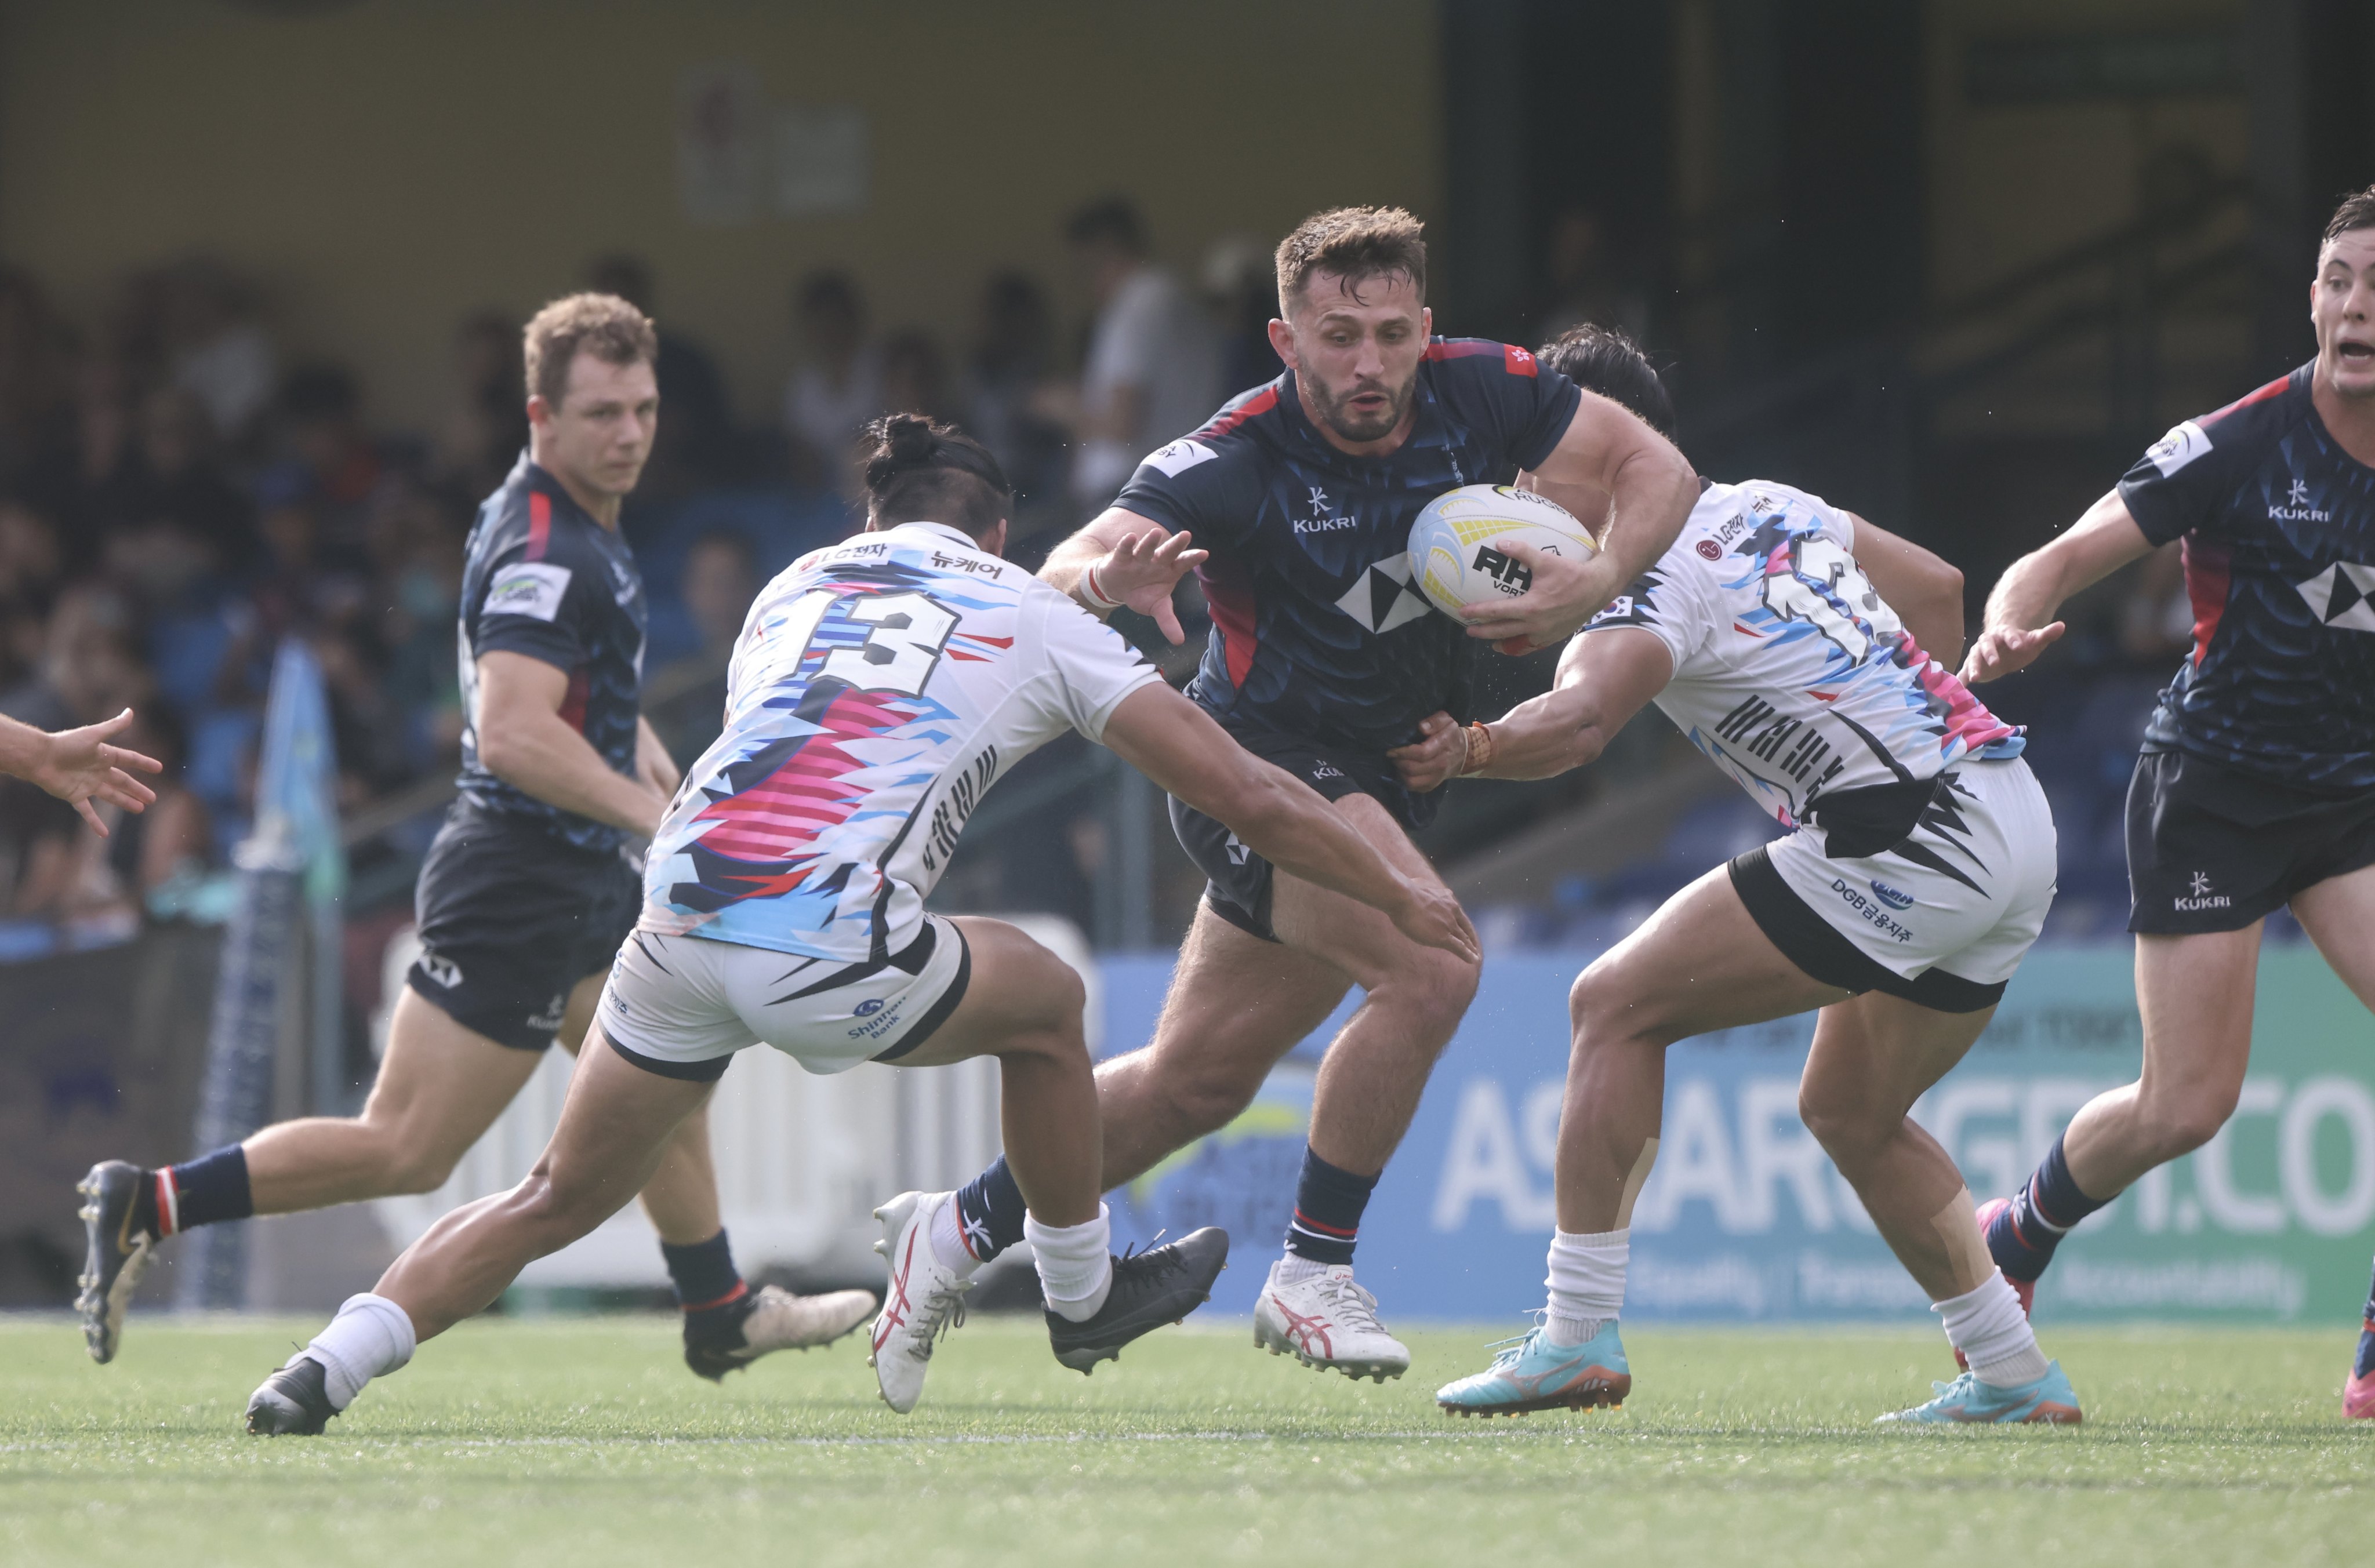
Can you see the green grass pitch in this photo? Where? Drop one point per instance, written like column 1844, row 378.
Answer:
column 584, row 1441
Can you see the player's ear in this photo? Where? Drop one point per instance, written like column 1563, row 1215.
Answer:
column 1426, row 321
column 1282, row 339
column 540, row 412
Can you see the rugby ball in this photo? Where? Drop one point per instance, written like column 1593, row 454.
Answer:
column 1453, row 545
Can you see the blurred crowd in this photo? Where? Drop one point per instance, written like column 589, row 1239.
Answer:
column 180, row 488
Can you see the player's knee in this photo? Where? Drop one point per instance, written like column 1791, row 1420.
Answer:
column 1601, row 1007
column 1850, row 1133
column 1202, row 1100
column 1434, row 990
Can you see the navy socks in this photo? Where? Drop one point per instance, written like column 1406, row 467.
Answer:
column 1327, row 1206
column 990, row 1211
column 706, row 1280
column 2023, row 1238
column 205, row 1191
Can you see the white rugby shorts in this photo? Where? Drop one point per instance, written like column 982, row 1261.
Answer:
column 1942, row 919
column 681, row 1005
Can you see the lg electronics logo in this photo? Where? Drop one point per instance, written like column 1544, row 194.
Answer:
column 1708, row 550
column 2297, row 508
column 2202, row 898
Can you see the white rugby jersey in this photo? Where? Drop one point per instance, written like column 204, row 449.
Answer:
column 880, row 688
column 1788, row 669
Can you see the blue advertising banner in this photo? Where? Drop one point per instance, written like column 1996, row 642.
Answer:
column 1745, row 1219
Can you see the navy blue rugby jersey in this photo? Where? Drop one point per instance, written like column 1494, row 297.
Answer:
column 2279, row 530
column 1319, row 631
column 546, row 579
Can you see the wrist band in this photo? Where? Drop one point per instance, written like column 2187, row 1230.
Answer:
column 1480, row 750
column 1093, row 596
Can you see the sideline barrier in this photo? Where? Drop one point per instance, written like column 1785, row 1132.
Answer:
column 1745, row 1219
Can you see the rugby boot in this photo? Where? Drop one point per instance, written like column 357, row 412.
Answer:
column 923, row 1299
column 769, row 1319
column 116, row 1251
column 292, row 1402
column 1328, row 1322
column 1531, row 1374
column 1968, row 1401
column 2358, row 1393
column 1149, row 1289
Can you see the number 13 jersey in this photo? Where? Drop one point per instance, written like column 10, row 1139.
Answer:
column 880, row 688
column 1788, row 669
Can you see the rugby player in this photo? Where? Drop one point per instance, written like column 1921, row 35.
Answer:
column 1323, row 654
column 529, row 888
column 1791, row 641
column 2255, row 790
column 880, row 688
column 78, row 766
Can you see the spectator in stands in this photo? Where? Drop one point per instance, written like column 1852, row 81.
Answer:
column 486, row 429
column 1585, row 282
column 330, row 456
column 837, row 385
column 916, row 375
column 1013, row 361
column 696, row 439
column 1240, row 291
column 36, row 406
column 1152, row 373
column 720, row 579
column 29, row 565
column 214, row 346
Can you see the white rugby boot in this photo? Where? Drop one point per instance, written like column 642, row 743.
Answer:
column 923, row 1299
column 1328, row 1321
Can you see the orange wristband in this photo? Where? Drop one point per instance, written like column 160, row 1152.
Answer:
column 1480, row 750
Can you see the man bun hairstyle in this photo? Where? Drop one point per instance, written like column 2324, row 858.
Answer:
column 2357, row 211
column 1356, row 243
column 1603, row 359
column 921, row 471
column 601, row 324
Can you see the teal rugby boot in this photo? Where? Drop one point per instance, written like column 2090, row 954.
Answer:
column 1531, row 1373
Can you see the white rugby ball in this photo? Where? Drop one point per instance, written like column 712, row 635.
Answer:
column 1452, row 545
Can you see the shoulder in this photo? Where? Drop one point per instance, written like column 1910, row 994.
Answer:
column 2242, row 430
column 1480, row 362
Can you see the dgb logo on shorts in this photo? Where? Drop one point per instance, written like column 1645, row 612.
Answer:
column 867, row 1007
column 1891, row 897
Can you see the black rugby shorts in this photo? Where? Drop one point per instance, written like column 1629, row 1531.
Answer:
column 511, row 919
column 2211, row 848
column 1237, row 881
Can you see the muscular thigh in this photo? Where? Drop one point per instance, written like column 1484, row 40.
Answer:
column 1343, row 934
column 1237, row 1003
column 1875, row 1054
column 440, row 1085
column 1699, row 963
column 2339, row 915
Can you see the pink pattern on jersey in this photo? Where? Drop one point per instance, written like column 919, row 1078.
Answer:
column 778, row 819
column 1970, row 726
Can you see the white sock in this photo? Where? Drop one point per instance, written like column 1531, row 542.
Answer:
column 948, row 1238
column 1587, row 1282
column 370, row 1338
column 1293, row 1269
column 1994, row 1334
column 1075, row 1263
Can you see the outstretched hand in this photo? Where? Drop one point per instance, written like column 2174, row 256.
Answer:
column 78, row 766
column 2000, row 651
column 1433, row 918
column 1142, row 570
column 1565, row 592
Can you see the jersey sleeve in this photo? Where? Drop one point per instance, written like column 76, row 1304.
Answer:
column 1525, row 405
column 2183, row 480
column 1209, row 486
column 1090, row 667
column 1672, row 601
column 537, row 608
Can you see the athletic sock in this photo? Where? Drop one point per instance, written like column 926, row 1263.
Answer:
column 1075, row 1263
column 1328, row 1204
column 1994, row 1334
column 1587, row 1282
column 989, row 1213
column 708, row 1287
column 205, row 1191
column 2023, row 1238
column 949, row 1238
column 370, row 1338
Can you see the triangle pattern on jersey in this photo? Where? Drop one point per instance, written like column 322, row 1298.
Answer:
column 2340, row 595
column 1383, row 597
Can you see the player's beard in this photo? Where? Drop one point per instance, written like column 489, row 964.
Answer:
column 1338, row 417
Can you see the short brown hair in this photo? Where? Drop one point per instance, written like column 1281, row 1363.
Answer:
column 2357, row 211
column 601, row 324
column 1355, row 243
